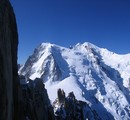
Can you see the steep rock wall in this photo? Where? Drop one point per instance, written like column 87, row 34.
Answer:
column 8, row 63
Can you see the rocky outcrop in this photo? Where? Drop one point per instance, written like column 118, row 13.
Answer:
column 61, row 96
column 36, row 104
column 69, row 108
column 8, row 63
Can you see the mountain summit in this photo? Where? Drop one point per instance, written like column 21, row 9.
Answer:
column 95, row 75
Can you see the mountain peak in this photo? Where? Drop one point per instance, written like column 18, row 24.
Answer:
column 46, row 44
column 95, row 75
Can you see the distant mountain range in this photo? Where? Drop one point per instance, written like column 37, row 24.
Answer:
column 95, row 75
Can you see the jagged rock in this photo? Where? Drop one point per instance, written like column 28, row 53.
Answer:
column 37, row 105
column 8, row 63
column 70, row 108
column 71, row 96
column 61, row 96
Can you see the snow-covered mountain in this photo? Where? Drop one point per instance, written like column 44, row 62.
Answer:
column 95, row 75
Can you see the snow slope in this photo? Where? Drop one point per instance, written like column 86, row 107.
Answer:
column 95, row 75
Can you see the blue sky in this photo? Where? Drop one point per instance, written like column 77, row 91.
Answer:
column 105, row 23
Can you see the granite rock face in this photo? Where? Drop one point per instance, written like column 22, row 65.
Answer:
column 8, row 63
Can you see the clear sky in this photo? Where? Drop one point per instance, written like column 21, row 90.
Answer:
column 105, row 23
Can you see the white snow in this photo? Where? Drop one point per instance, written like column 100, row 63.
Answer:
column 95, row 75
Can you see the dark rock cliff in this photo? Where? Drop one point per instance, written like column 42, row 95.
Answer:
column 69, row 108
column 8, row 63
column 36, row 104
